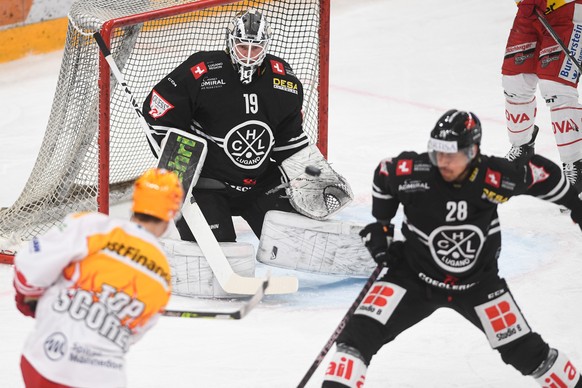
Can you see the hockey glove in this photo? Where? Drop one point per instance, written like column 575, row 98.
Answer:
column 576, row 214
column 377, row 237
column 26, row 305
column 527, row 8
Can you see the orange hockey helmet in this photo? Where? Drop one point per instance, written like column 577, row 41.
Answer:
column 158, row 193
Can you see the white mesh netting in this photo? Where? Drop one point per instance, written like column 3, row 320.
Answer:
column 65, row 175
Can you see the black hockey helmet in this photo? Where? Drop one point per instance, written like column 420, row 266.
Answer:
column 247, row 38
column 455, row 131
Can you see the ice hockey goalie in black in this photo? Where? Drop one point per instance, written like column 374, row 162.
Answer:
column 449, row 257
column 247, row 104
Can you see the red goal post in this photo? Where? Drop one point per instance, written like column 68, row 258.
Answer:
column 94, row 147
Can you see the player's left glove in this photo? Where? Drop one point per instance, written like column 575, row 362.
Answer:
column 527, row 8
column 26, row 305
column 377, row 237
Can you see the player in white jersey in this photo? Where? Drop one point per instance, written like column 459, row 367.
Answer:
column 532, row 57
column 95, row 285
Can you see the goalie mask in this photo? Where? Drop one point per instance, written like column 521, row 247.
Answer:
column 248, row 37
column 455, row 131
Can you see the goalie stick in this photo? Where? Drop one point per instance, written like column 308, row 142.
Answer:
column 236, row 314
column 230, row 281
column 342, row 325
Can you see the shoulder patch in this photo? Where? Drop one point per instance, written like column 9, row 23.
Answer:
column 277, row 67
column 538, row 174
column 199, row 70
column 159, row 106
column 384, row 166
column 493, row 178
column 404, row 167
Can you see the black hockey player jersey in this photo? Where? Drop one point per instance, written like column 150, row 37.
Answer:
column 452, row 230
column 248, row 127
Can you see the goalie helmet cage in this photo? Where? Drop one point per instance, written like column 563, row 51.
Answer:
column 94, row 147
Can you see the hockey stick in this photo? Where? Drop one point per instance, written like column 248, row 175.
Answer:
column 552, row 32
column 236, row 314
column 338, row 330
column 230, row 281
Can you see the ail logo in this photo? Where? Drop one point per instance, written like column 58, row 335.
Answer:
column 343, row 372
column 568, row 373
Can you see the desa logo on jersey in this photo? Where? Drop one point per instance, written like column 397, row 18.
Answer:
column 287, row 86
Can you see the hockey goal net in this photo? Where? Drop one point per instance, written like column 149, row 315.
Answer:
column 94, row 147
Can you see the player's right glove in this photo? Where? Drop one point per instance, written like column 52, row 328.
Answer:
column 377, row 237
column 527, row 8
column 576, row 213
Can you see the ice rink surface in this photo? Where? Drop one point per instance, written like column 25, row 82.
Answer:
column 396, row 66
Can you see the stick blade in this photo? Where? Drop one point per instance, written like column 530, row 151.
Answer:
column 237, row 284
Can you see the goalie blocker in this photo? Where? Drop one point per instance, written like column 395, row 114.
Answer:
column 328, row 247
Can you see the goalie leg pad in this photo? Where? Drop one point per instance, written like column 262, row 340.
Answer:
column 317, row 197
column 330, row 247
column 191, row 274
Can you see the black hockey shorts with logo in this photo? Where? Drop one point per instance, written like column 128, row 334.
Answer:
column 400, row 300
column 220, row 204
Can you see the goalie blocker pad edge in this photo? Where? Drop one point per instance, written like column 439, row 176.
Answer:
column 330, row 247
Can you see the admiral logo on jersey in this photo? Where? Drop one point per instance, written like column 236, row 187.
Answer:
column 249, row 144
column 456, row 248
column 413, row 186
column 212, row 83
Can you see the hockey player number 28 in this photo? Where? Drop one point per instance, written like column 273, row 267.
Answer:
column 457, row 211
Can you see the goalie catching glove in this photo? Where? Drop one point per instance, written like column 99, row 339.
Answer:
column 377, row 237
column 314, row 188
